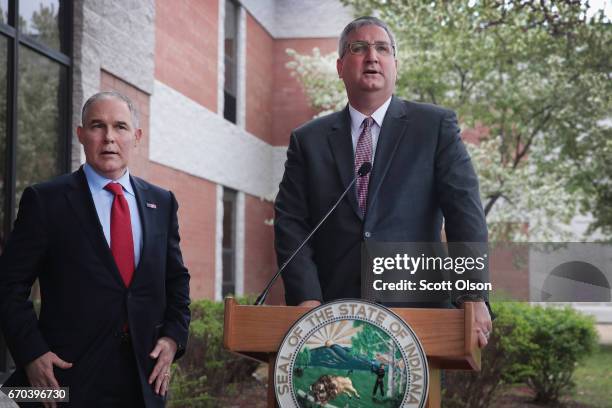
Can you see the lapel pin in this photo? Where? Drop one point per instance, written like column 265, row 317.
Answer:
column 151, row 205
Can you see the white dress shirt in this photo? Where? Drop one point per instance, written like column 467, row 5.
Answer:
column 103, row 201
column 357, row 125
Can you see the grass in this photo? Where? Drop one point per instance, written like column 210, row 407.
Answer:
column 593, row 379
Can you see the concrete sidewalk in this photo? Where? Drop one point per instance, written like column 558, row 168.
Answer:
column 605, row 333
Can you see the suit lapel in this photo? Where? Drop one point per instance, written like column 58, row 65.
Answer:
column 84, row 209
column 341, row 145
column 141, row 191
column 393, row 129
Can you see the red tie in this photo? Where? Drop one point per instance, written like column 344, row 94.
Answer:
column 122, row 243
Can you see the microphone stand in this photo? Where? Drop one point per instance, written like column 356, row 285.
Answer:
column 363, row 171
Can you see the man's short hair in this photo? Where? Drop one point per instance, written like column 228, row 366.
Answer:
column 108, row 95
column 358, row 23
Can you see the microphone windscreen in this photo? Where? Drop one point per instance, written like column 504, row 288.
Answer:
column 364, row 169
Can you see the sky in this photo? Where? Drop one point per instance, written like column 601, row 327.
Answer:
column 595, row 5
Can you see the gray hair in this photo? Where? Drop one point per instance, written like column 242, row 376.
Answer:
column 108, row 95
column 358, row 23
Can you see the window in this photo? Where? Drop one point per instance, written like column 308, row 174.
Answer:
column 4, row 363
column 35, row 103
column 229, row 242
column 3, row 137
column 231, row 67
column 3, row 11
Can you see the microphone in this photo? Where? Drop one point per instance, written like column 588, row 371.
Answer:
column 364, row 170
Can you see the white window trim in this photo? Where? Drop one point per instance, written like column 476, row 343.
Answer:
column 241, row 68
column 219, row 245
column 220, row 58
column 240, row 238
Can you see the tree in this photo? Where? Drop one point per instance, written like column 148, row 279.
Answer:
column 40, row 104
column 535, row 77
column 369, row 340
column 303, row 358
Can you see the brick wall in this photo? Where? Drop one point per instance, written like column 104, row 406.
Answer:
column 259, row 255
column 259, row 80
column 197, row 217
column 290, row 106
column 509, row 271
column 186, row 48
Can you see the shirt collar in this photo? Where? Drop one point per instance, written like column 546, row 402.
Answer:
column 358, row 117
column 97, row 182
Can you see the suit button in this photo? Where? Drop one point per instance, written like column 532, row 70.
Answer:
column 367, row 234
column 129, row 295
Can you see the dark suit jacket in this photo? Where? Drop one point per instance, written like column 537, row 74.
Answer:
column 58, row 239
column 421, row 173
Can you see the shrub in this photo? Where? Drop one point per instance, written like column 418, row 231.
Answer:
column 504, row 361
column 562, row 337
column 534, row 345
column 206, row 369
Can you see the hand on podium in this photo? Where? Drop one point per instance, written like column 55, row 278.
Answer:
column 310, row 303
column 482, row 322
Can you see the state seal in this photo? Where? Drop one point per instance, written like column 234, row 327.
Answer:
column 351, row 353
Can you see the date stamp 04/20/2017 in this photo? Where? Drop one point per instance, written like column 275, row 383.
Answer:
column 35, row 394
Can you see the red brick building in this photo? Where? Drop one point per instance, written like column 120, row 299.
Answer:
column 216, row 103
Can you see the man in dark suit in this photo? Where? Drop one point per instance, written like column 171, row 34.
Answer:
column 104, row 245
column 421, row 174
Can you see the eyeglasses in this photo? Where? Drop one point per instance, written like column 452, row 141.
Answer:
column 362, row 47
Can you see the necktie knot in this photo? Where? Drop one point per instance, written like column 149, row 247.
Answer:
column 114, row 188
column 367, row 123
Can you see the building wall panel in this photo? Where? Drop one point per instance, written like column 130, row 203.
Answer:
column 186, row 34
column 259, row 80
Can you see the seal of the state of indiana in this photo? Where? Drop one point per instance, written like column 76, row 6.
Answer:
column 351, row 353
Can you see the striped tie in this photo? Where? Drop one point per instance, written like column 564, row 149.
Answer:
column 363, row 154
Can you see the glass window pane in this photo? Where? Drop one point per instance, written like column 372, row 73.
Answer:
column 4, row 12
column 228, row 266
column 3, row 122
column 42, row 108
column 231, row 29
column 228, row 224
column 43, row 20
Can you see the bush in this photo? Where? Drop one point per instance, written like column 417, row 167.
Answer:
column 534, row 345
column 205, row 371
column 562, row 338
column 504, row 361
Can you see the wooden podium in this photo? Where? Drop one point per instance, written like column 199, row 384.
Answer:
column 447, row 336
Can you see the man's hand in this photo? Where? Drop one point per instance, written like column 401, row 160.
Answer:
column 482, row 323
column 164, row 352
column 310, row 303
column 40, row 372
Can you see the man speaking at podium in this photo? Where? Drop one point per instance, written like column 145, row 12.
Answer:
column 114, row 291
column 421, row 174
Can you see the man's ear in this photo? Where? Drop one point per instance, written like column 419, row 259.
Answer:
column 137, row 135
column 339, row 67
column 79, row 131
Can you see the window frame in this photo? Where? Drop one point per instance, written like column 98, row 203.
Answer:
column 230, row 105
column 229, row 196
column 15, row 39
